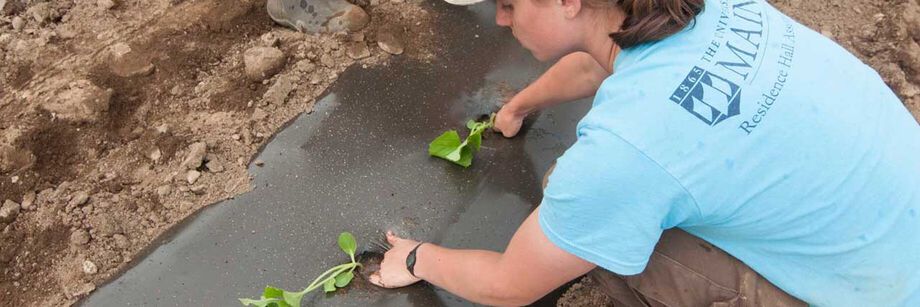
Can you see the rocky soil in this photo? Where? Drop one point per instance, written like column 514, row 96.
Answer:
column 119, row 118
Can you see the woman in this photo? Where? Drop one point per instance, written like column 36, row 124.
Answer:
column 715, row 123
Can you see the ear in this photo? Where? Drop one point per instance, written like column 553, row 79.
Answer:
column 571, row 8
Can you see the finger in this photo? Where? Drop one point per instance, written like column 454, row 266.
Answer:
column 392, row 238
column 376, row 280
column 509, row 133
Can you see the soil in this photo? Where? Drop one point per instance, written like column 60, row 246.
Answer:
column 119, row 118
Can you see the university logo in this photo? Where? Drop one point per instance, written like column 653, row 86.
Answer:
column 709, row 97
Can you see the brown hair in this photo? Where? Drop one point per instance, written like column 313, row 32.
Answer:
column 651, row 20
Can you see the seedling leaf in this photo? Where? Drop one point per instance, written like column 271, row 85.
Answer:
column 449, row 147
column 264, row 302
column 466, row 157
column 444, row 144
column 457, row 153
column 293, row 298
column 348, row 244
column 272, row 292
column 258, row 303
column 329, row 285
column 343, row 279
column 474, row 140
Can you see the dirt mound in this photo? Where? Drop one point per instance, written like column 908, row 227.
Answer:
column 884, row 34
column 120, row 118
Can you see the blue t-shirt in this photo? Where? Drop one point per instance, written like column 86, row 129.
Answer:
column 760, row 136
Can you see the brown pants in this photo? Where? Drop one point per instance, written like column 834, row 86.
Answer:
column 686, row 271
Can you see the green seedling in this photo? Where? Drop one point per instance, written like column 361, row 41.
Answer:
column 337, row 277
column 449, row 147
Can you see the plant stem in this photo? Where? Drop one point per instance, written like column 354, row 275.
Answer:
column 336, row 270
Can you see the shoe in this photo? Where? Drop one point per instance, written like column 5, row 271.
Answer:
column 318, row 16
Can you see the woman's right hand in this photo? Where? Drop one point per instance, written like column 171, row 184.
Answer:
column 508, row 121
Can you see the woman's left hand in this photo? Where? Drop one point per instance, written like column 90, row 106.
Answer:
column 393, row 272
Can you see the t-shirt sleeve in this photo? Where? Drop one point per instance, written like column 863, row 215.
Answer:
column 608, row 203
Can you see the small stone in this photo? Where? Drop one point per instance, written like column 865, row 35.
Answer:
column 14, row 179
column 198, row 189
column 105, row 225
column 121, row 241
column 164, row 190
column 28, row 200
column 162, row 129
column 192, row 176
column 79, row 199
column 235, row 137
column 196, row 154
column 263, row 62
column 186, row 205
column 89, row 267
column 119, row 50
column 259, row 162
column 258, row 114
column 357, row 50
column 280, row 90
column 155, row 155
column 82, row 101
column 269, row 39
column 327, row 60
column 81, row 290
column 79, row 237
column 215, row 166
column 354, row 19
column 388, row 41
column 40, row 12
column 878, row 17
column 18, row 23
column 14, row 158
column 106, row 4
column 9, row 211
column 131, row 67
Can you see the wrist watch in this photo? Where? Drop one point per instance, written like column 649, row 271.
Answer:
column 410, row 260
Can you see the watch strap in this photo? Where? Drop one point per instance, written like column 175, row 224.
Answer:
column 410, row 260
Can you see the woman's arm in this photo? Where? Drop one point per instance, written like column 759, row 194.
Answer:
column 574, row 76
column 530, row 267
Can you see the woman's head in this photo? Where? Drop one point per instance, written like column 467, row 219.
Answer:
column 553, row 28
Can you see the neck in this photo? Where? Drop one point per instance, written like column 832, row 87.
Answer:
column 599, row 44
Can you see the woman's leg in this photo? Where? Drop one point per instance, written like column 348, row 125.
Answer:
column 685, row 270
